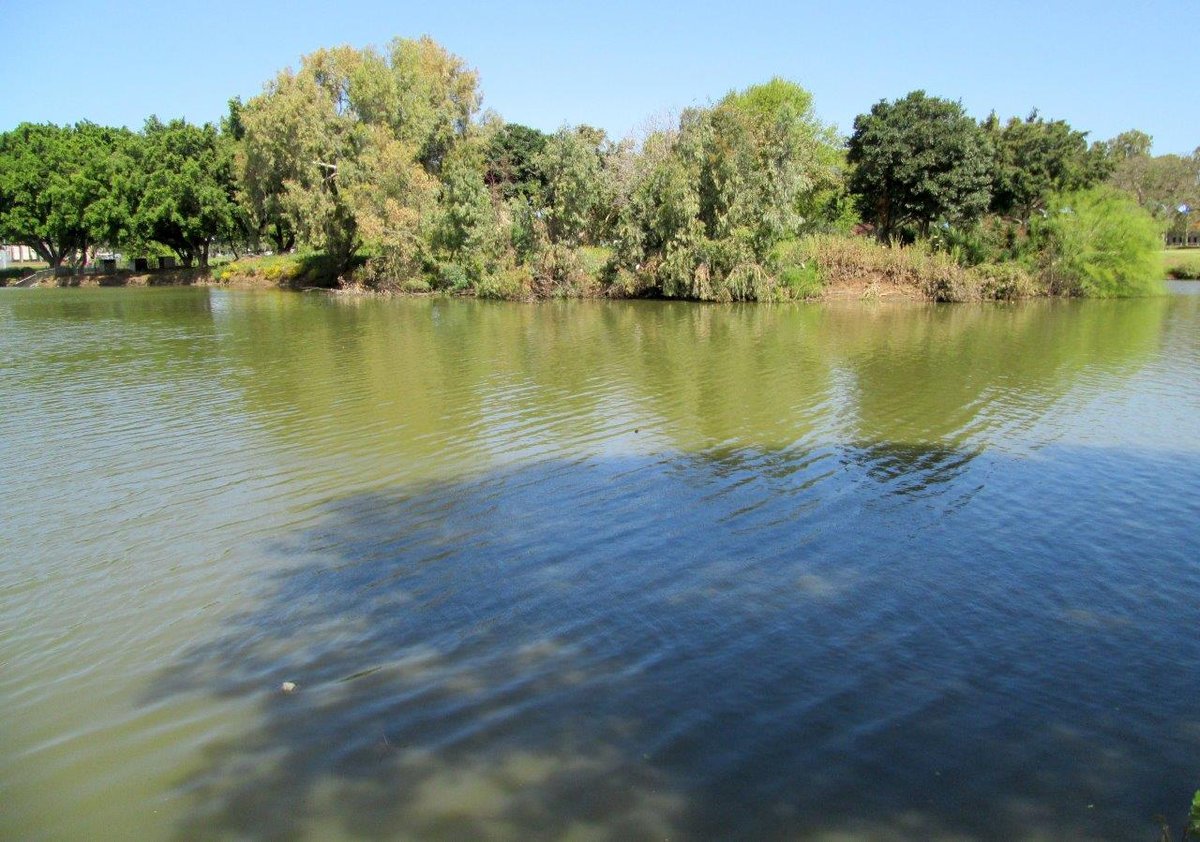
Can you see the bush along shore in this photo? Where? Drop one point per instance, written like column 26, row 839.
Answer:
column 375, row 170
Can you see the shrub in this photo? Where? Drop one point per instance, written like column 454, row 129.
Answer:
column 1099, row 243
column 1184, row 273
column 312, row 269
column 803, row 281
column 971, row 245
column 560, row 271
column 796, row 270
column 631, row 283
column 750, row 282
column 512, row 283
column 849, row 261
column 1005, row 281
column 707, row 269
column 452, row 276
column 595, row 259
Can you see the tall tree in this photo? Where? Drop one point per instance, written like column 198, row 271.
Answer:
column 61, row 190
column 1160, row 183
column 302, row 136
column 331, row 146
column 467, row 215
column 437, row 97
column 572, row 168
column 188, row 194
column 917, row 161
column 711, row 199
column 511, row 161
column 1036, row 158
column 769, row 165
column 1129, row 144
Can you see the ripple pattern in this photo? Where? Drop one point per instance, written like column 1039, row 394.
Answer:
column 613, row 571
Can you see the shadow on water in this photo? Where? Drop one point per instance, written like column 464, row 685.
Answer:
column 738, row 644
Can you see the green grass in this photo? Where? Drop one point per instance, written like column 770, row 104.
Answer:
column 18, row 270
column 595, row 258
column 306, row 269
column 1182, row 263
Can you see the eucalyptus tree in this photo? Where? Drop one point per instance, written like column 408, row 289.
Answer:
column 768, row 165
column 711, row 199
column 1161, row 184
column 347, row 148
column 1133, row 143
column 571, row 166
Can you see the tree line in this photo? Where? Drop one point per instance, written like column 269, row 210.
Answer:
column 382, row 162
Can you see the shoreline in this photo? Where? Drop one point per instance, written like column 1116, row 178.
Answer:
column 866, row 288
column 872, row 289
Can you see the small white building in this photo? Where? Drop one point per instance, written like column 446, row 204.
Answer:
column 20, row 253
column 17, row 254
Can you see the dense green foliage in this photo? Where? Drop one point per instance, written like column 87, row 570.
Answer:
column 1161, row 184
column 379, row 162
column 63, row 189
column 710, row 203
column 1099, row 243
column 1036, row 158
column 919, row 161
column 67, row 190
column 510, row 158
column 188, row 195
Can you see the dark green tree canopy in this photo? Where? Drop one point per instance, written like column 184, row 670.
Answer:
column 918, row 161
column 1036, row 158
column 511, row 161
column 64, row 189
column 188, row 197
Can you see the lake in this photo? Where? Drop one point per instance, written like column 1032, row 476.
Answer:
column 588, row 570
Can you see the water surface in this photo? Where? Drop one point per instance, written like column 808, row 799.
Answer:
column 629, row 570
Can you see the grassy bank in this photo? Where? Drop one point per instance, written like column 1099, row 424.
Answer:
column 289, row 271
column 1182, row 264
column 18, row 270
column 818, row 267
column 299, row 270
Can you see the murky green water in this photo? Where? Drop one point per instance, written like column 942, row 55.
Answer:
column 596, row 570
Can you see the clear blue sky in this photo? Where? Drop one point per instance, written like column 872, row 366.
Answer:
column 1103, row 66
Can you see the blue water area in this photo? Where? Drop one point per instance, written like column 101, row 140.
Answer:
column 748, row 644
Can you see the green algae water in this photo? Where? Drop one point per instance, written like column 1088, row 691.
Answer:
column 633, row 570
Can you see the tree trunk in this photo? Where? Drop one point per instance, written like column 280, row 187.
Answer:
column 282, row 238
column 47, row 253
